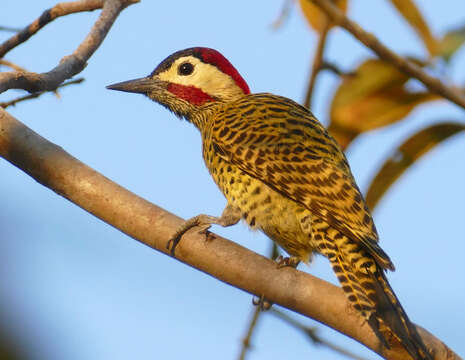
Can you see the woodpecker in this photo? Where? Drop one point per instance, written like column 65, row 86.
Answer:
column 282, row 173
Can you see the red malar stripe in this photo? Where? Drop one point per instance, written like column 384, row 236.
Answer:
column 190, row 93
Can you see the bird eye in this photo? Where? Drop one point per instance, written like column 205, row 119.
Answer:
column 185, row 69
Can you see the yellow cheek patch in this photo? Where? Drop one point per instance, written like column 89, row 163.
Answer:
column 205, row 77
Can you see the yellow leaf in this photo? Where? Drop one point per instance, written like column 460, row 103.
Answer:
column 410, row 12
column 375, row 97
column 451, row 42
column 409, row 152
column 315, row 17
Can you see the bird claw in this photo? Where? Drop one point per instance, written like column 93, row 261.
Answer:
column 172, row 243
column 203, row 229
column 291, row 261
column 176, row 238
column 262, row 302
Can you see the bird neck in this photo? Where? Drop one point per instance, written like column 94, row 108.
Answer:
column 203, row 115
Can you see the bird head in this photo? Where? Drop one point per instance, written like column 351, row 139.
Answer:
column 188, row 80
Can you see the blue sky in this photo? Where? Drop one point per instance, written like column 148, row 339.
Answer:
column 73, row 287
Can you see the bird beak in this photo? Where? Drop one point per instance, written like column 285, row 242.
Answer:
column 140, row 86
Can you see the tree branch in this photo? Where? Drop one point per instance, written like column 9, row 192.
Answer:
column 326, row 65
column 404, row 65
column 317, row 62
column 13, row 102
column 72, row 64
column 225, row 260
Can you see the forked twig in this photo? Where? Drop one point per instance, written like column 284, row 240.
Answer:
column 36, row 95
column 72, row 64
column 48, row 16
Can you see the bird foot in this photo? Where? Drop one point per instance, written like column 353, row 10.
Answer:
column 262, row 302
column 291, row 261
column 202, row 222
column 230, row 216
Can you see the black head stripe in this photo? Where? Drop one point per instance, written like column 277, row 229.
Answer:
column 166, row 64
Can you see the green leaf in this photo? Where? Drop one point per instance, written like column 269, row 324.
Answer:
column 409, row 152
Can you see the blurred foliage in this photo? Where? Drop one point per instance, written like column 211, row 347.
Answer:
column 376, row 96
column 284, row 15
column 412, row 14
column 451, row 42
column 315, row 17
column 406, row 154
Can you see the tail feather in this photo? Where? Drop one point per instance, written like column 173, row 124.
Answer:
column 394, row 316
column 369, row 292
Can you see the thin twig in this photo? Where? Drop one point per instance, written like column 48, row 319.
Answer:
column 317, row 61
column 10, row 29
column 311, row 332
column 11, row 65
column 252, row 325
column 48, row 16
column 36, row 95
column 336, row 70
column 407, row 67
column 256, row 311
column 283, row 15
column 72, row 64
column 223, row 259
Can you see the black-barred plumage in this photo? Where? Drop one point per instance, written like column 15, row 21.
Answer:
column 283, row 174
